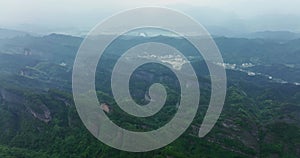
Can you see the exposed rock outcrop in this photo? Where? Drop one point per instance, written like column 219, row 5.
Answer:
column 45, row 116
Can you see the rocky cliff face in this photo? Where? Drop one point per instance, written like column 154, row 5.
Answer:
column 13, row 99
column 44, row 116
column 10, row 97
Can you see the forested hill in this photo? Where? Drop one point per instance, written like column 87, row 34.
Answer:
column 261, row 115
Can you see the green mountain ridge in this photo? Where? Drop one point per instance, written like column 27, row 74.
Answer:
column 38, row 118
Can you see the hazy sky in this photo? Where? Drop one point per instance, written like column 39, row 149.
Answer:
column 61, row 15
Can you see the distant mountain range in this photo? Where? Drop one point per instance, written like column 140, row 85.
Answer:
column 6, row 33
column 273, row 35
column 214, row 31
